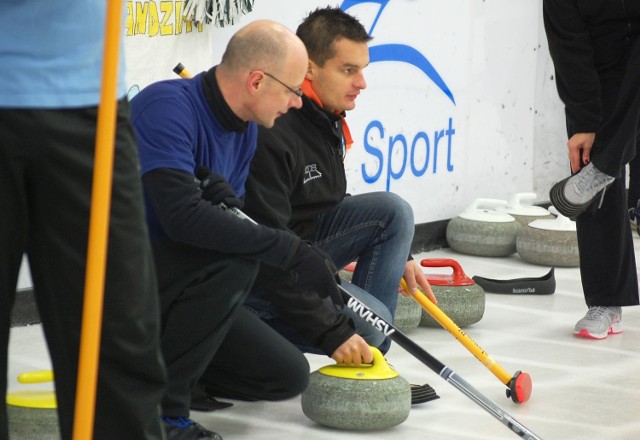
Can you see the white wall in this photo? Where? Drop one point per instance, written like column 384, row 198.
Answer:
column 550, row 161
column 500, row 132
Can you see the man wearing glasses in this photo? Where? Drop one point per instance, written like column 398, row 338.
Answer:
column 196, row 138
column 297, row 183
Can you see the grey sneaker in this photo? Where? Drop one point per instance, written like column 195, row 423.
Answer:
column 574, row 195
column 599, row 322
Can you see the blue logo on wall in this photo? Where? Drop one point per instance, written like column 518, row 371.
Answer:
column 375, row 129
column 399, row 52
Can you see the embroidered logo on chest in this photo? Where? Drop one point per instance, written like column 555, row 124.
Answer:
column 311, row 172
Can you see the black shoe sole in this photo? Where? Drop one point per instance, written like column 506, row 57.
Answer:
column 564, row 206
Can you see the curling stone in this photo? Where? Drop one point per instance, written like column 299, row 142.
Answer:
column 408, row 314
column 32, row 414
column 483, row 232
column 408, row 311
column 459, row 297
column 550, row 242
column 525, row 213
column 365, row 398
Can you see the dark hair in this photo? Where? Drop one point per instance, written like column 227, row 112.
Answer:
column 323, row 27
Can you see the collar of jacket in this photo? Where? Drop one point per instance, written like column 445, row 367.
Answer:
column 218, row 105
column 307, row 89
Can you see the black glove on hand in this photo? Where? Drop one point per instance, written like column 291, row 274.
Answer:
column 312, row 270
column 216, row 189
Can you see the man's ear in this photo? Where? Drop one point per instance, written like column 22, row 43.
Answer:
column 254, row 81
column 311, row 70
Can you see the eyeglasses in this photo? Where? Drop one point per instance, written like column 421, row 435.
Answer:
column 297, row 92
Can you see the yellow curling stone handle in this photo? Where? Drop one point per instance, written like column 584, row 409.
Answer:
column 378, row 369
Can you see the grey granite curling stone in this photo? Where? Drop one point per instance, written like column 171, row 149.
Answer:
column 525, row 213
column 459, row 297
column 483, row 232
column 408, row 312
column 32, row 414
column 365, row 398
column 549, row 243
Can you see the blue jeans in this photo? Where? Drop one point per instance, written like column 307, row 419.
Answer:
column 376, row 229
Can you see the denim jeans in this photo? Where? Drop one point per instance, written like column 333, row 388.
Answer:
column 376, row 229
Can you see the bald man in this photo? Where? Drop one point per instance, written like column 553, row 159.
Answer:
column 196, row 140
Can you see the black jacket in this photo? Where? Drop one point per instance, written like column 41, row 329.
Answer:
column 586, row 37
column 296, row 174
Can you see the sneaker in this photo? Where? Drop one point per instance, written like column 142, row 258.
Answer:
column 573, row 195
column 182, row 428
column 599, row 322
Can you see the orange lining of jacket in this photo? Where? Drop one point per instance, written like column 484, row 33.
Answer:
column 307, row 89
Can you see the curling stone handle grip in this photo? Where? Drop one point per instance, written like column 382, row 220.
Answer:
column 519, row 197
column 458, row 273
column 560, row 219
column 39, row 376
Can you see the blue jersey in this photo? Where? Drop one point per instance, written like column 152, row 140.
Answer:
column 40, row 69
column 176, row 129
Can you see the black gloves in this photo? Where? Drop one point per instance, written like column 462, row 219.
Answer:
column 216, row 189
column 311, row 270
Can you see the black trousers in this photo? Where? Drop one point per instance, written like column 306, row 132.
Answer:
column 201, row 292
column 255, row 362
column 633, row 193
column 46, row 166
column 607, row 259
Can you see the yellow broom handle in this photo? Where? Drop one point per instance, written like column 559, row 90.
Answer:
column 446, row 322
column 98, row 229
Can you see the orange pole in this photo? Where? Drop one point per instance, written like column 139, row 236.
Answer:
column 98, row 229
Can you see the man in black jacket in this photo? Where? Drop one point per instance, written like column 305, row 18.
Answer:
column 595, row 47
column 297, row 183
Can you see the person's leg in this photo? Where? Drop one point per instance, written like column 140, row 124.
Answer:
column 376, row 229
column 200, row 293
column 633, row 193
column 607, row 258
column 254, row 362
column 607, row 265
column 131, row 375
column 131, row 324
column 13, row 227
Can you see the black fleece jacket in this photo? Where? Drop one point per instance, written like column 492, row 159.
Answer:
column 585, row 38
column 296, row 174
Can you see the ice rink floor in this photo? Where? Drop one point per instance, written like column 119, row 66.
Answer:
column 582, row 389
